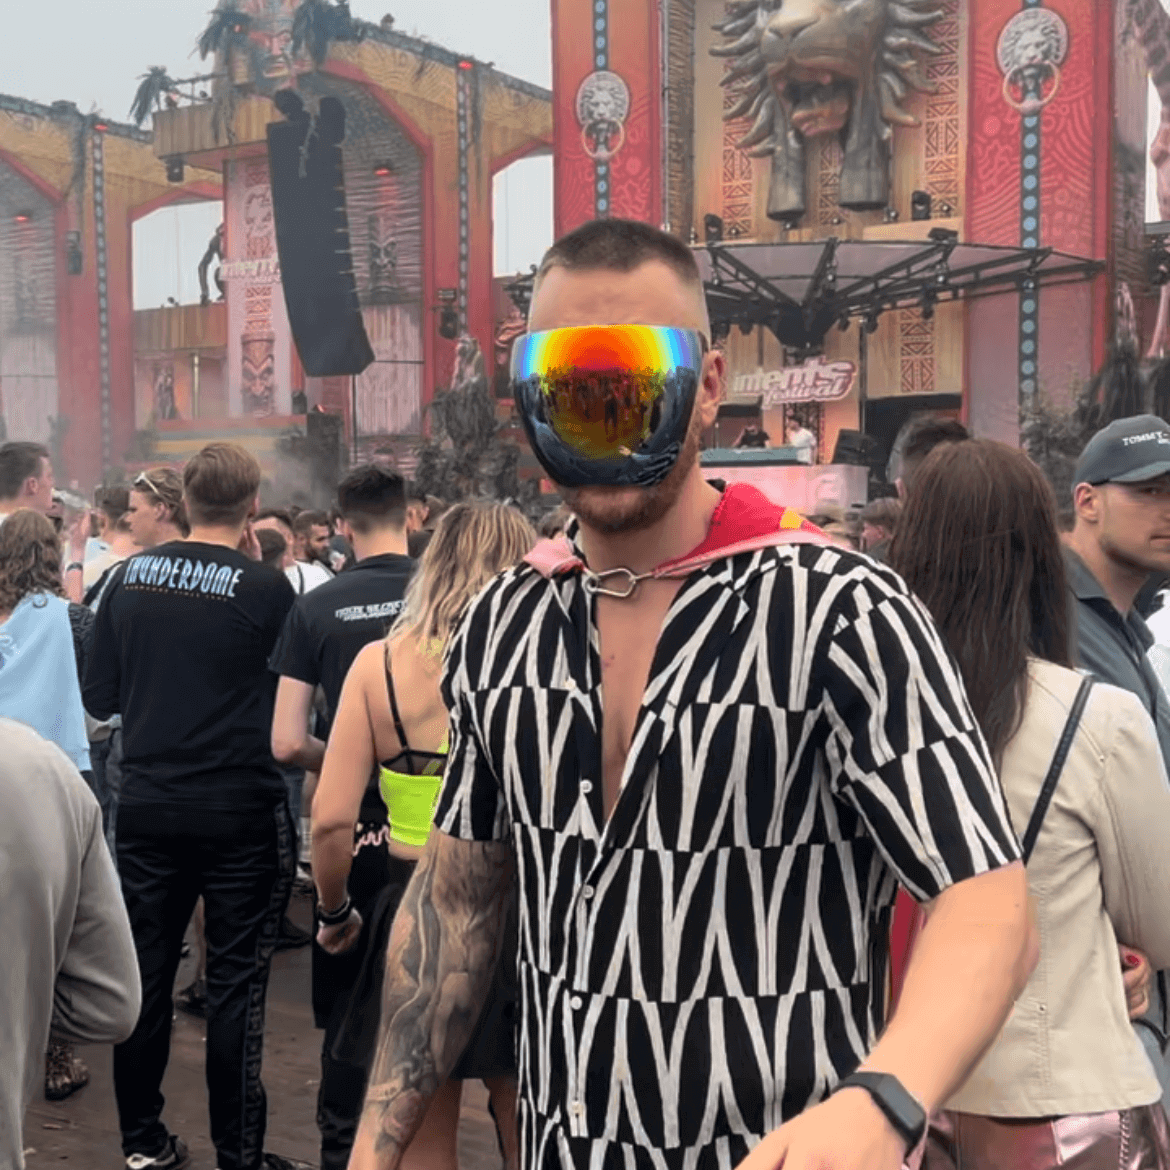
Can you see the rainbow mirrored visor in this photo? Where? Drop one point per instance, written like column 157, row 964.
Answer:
column 607, row 405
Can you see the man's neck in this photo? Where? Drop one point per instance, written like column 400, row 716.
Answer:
column 1121, row 583
column 225, row 537
column 122, row 544
column 379, row 543
column 680, row 530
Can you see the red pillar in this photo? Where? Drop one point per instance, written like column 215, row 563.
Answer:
column 606, row 111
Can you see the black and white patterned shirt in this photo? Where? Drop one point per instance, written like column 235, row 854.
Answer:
column 712, row 960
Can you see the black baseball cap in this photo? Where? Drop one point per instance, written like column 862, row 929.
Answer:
column 1130, row 450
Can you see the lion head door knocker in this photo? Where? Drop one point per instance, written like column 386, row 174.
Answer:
column 603, row 104
column 1032, row 48
column 811, row 68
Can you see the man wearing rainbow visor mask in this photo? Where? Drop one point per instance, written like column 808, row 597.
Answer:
column 705, row 747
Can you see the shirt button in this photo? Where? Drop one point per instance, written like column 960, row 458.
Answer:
column 586, row 786
column 575, row 1003
column 586, row 892
column 576, row 1108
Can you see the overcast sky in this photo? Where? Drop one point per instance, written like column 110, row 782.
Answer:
column 92, row 53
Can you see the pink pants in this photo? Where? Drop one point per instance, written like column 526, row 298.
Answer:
column 1133, row 1139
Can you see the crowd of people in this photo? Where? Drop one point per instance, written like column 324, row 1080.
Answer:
column 620, row 818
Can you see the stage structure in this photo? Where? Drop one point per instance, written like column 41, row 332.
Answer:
column 941, row 194
column 425, row 132
column 71, row 187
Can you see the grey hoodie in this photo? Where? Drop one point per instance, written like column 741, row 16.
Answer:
column 68, row 959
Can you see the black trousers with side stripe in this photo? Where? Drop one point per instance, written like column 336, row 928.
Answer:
column 243, row 866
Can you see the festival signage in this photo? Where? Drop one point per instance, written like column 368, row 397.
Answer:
column 815, row 381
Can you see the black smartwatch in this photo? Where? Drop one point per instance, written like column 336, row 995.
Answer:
column 901, row 1109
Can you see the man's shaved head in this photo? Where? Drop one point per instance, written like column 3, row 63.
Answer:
column 622, row 246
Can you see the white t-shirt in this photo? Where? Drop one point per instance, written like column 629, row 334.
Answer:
column 307, row 575
column 1159, row 654
column 803, row 438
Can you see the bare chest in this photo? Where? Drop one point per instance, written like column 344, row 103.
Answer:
column 628, row 631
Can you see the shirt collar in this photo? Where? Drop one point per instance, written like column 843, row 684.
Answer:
column 1086, row 587
column 1080, row 578
column 383, row 560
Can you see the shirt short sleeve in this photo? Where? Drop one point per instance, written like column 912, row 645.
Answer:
column 295, row 653
column 471, row 801
column 903, row 747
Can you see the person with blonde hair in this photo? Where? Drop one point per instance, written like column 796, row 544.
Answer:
column 155, row 512
column 392, row 710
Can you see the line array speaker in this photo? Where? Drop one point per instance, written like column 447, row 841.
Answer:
column 312, row 237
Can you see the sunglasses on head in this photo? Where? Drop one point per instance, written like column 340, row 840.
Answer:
column 607, row 405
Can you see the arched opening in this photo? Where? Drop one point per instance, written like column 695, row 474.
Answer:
column 168, row 245
column 522, row 196
column 522, row 223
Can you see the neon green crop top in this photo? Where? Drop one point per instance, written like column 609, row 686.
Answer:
column 411, row 799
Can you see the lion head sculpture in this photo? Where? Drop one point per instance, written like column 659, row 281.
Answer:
column 808, row 68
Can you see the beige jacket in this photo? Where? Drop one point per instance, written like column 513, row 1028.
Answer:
column 1099, row 874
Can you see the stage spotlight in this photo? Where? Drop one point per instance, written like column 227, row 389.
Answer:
column 712, row 229
column 871, row 322
column 929, row 300
column 746, row 327
column 174, row 163
column 921, row 205
column 891, row 215
column 23, row 217
column 843, row 324
column 383, row 170
column 101, row 125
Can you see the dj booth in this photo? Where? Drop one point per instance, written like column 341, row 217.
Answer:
column 784, row 479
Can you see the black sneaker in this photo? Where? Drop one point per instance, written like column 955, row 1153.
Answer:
column 172, row 1156
column 193, row 999
column 291, row 937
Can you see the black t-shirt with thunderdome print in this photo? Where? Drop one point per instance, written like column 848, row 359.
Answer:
column 181, row 650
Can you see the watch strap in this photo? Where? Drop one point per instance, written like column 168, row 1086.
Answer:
column 901, row 1107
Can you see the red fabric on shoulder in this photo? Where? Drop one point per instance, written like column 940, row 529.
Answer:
column 742, row 514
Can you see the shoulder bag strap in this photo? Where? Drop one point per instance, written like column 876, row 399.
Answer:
column 1028, row 841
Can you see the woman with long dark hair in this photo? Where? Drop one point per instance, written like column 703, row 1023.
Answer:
column 978, row 544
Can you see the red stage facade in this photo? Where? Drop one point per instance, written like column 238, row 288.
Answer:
column 639, row 85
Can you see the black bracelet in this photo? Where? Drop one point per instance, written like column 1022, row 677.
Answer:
column 75, row 567
column 335, row 917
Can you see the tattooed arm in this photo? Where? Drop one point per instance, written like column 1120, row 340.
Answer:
column 439, row 967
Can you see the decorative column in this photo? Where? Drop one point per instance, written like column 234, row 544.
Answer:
column 607, row 111
column 1040, row 127
column 103, row 298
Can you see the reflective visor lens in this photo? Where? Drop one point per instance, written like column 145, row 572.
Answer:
column 607, row 404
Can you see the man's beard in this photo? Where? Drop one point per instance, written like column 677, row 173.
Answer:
column 613, row 511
